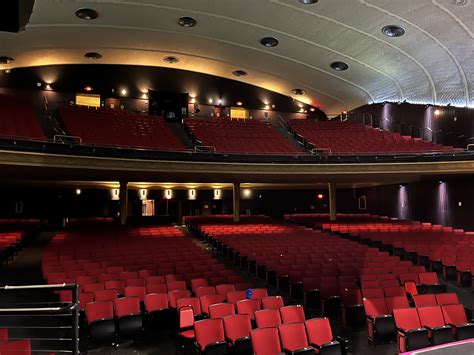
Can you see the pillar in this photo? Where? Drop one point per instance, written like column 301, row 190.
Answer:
column 332, row 202
column 123, row 202
column 236, row 199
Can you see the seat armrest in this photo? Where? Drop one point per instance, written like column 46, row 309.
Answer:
column 438, row 328
column 342, row 340
column 411, row 331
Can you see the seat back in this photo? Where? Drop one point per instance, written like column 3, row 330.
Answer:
column 105, row 295
column 237, row 326
column 191, row 302
column 409, row 277
column 292, row 314
column 273, row 302
column 319, row 331
column 185, row 317
column 248, row 307
column 454, row 314
column 135, row 291
column 221, row 310
column 156, row 302
column 126, row 306
column 396, row 303
column 394, row 291
column 205, row 290
column 155, row 280
column 174, row 296
column 425, row 300
column 96, row 311
column 375, row 307
column 223, row 289
column 234, row 296
column 265, row 341
column 156, row 288
column 268, row 318
column 207, row 300
column 176, row 286
column 208, row 331
column 195, row 283
column 428, row 278
column 293, row 336
column 447, row 298
column 406, row 318
column 259, row 293
column 431, row 316
column 373, row 293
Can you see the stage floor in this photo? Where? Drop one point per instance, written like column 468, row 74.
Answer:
column 465, row 347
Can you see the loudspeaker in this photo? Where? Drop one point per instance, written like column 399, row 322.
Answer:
column 15, row 14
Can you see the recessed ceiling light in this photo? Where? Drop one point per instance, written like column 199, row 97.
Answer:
column 88, row 88
column 308, row 2
column 393, row 31
column 187, row 22
column 269, row 42
column 339, row 66
column 123, row 92
column 239, row 103
column 6, row 60
column 171, row 60
column 298, row 91
column 87, row 14
column 239, row 73
column 93, row 55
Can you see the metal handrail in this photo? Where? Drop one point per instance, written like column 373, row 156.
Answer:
column 73, row 308
column 317, row 150
column 204, row 149
column 57, row 136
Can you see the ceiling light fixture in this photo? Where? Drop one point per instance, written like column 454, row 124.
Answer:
column 87, row 14
column 187, row 22
column 93, row 55
column 239, row 72
column 6, row 60
column 239, row 103
column 88, row 88
column 339, row 66
column 171, row 60
column 308, row 2
column 269, row 42
column 298, row 91
column 123, row 92
column 393, row 31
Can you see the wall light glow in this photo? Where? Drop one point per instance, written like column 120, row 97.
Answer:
column 78, row 191
column 168, row 194
column 143, row 194
column 247, row 193
column 115, row 194
column 443, row 214
column 403, row 209
column 217, row 194
column 192, row 194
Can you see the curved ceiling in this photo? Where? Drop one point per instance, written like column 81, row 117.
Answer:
column 431, row 64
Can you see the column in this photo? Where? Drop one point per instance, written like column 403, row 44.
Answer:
column 123, row 202
column 332, row 201
column 236, row 199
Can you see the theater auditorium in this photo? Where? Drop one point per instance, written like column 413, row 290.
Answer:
column 242, row 177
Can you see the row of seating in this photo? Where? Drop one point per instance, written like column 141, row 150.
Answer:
column 18, row 119
column 10, row 245
column 352, row 138
column 108, row 127
column 228, row 136
column 15, row 346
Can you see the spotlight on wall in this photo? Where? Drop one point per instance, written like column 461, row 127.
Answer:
column 88, row 88
column 143, row 193
column 320, row 196
column 115, row 194
column 219, row 101
column 239, row 103
column 193, row 100
column 210, row 101
column 48, row 87
column 440, row 182
column 217, row 194
column 401, row 186
column 168, row 194
column 123, row 92
column 145, row 96
column 247, row 193
column 437, row 112
column 78, row 191
column 460, row 204
column 267, row 107
column 191, row 194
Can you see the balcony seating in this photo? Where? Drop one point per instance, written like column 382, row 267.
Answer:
column 250, row 136
column 18, row 119
column 353, row 138
column 119, row 128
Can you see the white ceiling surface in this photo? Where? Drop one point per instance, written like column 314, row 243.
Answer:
column 433, row 63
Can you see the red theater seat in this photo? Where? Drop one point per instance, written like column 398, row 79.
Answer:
column 237, row 330
column 380, row 324
column 101, row 322
column 128, row 313
column 424, row 300
column 17, row 347
column 294, row 340
column 273, row 302
column 432, row 319
column 455, row 315
column 248, row 307
column 265, row 341
column 268, row 318
column 292, row 314
column 410, row 334
column 221, row 310
column 321, row 338
column 210, row 336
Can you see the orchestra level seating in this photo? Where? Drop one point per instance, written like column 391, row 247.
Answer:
column 352, row 138
column 119, row 128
